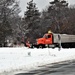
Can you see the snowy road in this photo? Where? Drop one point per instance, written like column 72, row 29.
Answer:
column 63, row 68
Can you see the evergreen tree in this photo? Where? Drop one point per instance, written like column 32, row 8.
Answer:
column 32, row 12
column 32, row 18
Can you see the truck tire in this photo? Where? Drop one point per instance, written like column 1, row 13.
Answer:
column 41, row 46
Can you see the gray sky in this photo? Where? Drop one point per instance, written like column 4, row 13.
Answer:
column 41, row 4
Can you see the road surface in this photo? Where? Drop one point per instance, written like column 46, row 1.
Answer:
column 62, row 68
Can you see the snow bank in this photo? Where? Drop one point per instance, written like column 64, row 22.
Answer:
column 14, row 59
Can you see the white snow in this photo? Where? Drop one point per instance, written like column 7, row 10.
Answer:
column 16, row 59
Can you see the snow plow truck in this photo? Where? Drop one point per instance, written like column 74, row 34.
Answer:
column 52, row 40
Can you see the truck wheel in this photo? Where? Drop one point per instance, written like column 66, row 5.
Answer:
column 40, row 46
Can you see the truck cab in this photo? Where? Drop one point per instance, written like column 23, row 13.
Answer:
column 47, row 39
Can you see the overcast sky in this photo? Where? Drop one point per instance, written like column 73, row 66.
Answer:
column 41, row 4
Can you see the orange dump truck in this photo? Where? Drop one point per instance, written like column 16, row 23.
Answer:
column 46, row 41
column 55, row 40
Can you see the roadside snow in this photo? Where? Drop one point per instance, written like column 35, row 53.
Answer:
column 14, row 59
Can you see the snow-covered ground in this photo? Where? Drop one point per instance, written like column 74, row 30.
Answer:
column 16, row 59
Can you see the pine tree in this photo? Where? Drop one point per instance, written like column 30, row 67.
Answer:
column 32, row 18
column 32, row 12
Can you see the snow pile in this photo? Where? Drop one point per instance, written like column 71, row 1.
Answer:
column 12, row 59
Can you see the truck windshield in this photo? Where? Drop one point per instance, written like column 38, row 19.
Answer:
column 44, row 36
column 47, row 36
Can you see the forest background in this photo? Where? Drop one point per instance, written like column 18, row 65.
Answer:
column 58, row 17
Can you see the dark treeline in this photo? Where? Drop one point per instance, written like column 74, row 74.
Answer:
column 58, row 17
